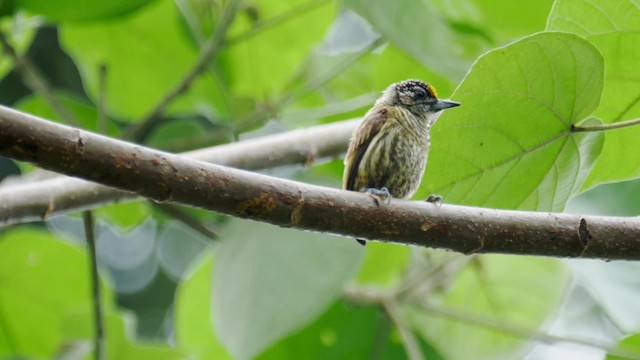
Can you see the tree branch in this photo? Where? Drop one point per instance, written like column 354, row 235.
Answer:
column 39, row 200
column 165, row 177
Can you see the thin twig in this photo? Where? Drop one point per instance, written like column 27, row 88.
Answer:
column 411, row 345
column 98, row 350
column 381, row 339
column 605, row 127
column 37, row 82
column 209, row 51
column 188, row 219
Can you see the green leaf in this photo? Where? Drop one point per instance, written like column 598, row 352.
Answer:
column 342, row 332
column 119, row 337
column 384, row 264
column 357, row 86
column 590, row 17
column 260, row 67
column 629, row 343
column 74, row 10
column 420, row 30
column 269, row 282
column 20, row 31
column 126, row 215
column 510, row 145
column 42, row 281
column 193, row 317
column 146, row 55
column 500, row 290
column 497, row 17
column 83, row 112
column 620, row 101
column 614, row 28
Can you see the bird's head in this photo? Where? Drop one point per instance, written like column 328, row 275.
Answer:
column 417, row 96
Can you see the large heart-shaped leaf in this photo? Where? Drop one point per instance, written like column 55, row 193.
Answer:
column 614, row 28
column 510, row 144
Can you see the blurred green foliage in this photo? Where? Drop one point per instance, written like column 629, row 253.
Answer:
column 525, row 72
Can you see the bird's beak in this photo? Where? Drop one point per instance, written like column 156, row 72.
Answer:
column 444, row 104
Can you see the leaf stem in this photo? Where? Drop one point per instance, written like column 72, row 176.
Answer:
column 605, row 127
column 411, row 345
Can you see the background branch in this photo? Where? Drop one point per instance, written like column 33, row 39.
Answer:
column 172, row 178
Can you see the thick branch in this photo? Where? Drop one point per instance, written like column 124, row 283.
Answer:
column 43, row 199
column 166, row 177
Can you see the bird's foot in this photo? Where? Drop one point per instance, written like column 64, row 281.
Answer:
column 435, row 199
column 382, row 193
column 362, row 242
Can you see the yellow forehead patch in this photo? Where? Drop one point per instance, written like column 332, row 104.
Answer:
column 432, row 90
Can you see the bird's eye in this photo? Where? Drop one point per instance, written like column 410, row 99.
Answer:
column 421, row 94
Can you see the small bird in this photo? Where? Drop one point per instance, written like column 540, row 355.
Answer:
column 388, row 151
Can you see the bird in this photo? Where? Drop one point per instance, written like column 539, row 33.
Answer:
column 388, row 151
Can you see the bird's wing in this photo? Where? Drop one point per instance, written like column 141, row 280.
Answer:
column 360, row 141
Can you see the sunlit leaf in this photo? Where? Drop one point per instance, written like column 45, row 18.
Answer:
column 495, row 18
column 384, row 264
column 42, row 281
column 73, row 10
column 144, row 61
column 590, row 17
column 261, row 66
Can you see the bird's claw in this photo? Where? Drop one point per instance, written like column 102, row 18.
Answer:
column 435, row 199
column 379, row 193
